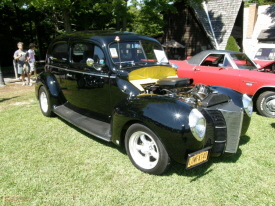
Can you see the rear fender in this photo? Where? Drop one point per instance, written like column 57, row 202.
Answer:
column 49, row 81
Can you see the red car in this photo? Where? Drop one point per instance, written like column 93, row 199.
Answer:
column 234, row 70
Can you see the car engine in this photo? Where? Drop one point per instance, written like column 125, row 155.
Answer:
column 182, row 89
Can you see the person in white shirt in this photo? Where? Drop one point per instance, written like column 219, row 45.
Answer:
column 21, row 56
column 31, row 54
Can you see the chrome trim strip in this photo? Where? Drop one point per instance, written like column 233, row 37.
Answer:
column 249, row 82
column 113, row 76
column 52, row 66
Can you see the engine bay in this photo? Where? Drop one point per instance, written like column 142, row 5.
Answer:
column 180, row 88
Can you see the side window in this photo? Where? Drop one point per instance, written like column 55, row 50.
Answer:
column 99, row 56
column 95, row 53
column 60, row 51
column 213, row 60
column 78, row 52
column 81, row 51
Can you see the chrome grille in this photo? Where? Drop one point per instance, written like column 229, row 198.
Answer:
column 234, row 120
column 227, row 122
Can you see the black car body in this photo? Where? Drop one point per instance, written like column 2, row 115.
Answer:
column 120, row 87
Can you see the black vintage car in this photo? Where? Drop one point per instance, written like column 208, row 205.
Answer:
column 120, row 87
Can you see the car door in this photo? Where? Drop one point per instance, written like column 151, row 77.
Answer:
column 58, row 61
column 216, row 69
column 88, row 89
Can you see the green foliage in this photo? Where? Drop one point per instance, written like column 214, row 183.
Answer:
column 147, row 14
column 145, row 21
column 232, row 44
column 259, row 2
column 39, row 21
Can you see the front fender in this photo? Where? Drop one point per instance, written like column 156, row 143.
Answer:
column 50, row 82
column 234, row 95
column 167, row 117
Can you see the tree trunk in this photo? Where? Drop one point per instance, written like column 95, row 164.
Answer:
column 124, row 24
column 67, row 22
column 117, row 23
column 19, row 19
column 39, row 41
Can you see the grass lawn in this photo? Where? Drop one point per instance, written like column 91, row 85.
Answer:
column 46, row 161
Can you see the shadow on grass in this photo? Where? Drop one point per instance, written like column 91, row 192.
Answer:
column 244, row 139
column 6, row 99
column 204, row 169
column 272, row 125
column 175, row 168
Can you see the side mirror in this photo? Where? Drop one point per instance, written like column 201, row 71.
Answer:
column 90, row 62
column 98, row 66
column 174, row 65
column 222, row 67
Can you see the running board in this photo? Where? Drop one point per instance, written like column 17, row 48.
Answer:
column 95, row 127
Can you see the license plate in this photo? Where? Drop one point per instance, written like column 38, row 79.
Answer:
column 197, row 158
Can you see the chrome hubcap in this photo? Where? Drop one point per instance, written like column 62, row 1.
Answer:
column 144, row 150
column 269, row 105
column 43, row 102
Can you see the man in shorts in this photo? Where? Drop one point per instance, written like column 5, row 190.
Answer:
column 22, row 61
column 31, row 55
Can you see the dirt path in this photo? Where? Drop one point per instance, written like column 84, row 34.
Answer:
column 15, row 89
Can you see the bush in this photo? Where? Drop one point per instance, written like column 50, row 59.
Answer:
column 232, row 44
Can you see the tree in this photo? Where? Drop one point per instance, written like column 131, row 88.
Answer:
column 147, row 14
column 259, row 2
column 116, row 9
column 63, row 7
column 232, row 44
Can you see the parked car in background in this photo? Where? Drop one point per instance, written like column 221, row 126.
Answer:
column 120, row 87
column 236, row 71
column 263, row 54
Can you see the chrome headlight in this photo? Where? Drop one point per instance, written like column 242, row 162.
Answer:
column 247, row 105
column 197, row 124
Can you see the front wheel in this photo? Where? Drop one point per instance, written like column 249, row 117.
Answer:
column 145, row 150
column 44, row 101
column 266, row 104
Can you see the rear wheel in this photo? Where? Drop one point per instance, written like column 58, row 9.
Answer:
column 145, row 150
column 266, row 104
column 44, row 102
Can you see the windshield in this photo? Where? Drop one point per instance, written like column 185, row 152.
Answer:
column 265, row 54
column 243, row 62
column 137, row 52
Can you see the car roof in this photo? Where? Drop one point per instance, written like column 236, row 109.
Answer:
column 197, row 59
column 102, row 36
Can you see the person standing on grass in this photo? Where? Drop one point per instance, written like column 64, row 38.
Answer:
column 22, row 61
column 31, row 55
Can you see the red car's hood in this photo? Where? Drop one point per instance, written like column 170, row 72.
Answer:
column 264, row 63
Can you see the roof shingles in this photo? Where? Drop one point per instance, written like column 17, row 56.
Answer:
column 223, row 14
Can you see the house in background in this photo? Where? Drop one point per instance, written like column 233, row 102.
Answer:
column 259, row 26
column 206, row 27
